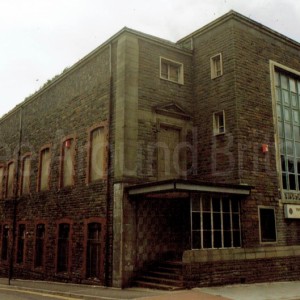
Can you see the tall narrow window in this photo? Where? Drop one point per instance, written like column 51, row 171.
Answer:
column 288, row 122
column 215, row 222
column 67, row 167
column 93, row 250
column 10, row 180
column 63, row 247
column 219, row 122
column 25, row 179
column 216, row 66
column 21, row 243
column 44, row 169
column 1, row 181
column 4, row 249
column 267, row 224
column 39, row 245
column 97, row 151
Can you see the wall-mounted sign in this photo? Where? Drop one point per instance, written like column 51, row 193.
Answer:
column 292, row 211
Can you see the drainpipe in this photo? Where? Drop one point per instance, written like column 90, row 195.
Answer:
column 15, row 201
column 108, row 193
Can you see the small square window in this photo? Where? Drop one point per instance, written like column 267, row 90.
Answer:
column 219, row 122
column 216, row 66
column 171, row 70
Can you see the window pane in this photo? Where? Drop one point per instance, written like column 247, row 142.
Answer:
column 284, row 181
column 287, row 115
column 164, row 70
column 236, row 239
column 196, row 240
column 174, row 72
column 196, row 220
column 284, row 81
column 217, row 221
column 283, row 166
column 21, row 243
column 297, row 133
column 45, row 169
column 97, row 154
column 26, row 175
column 297, row 146
column 227, row 238
column 292, row 181
column 206, row 221
column 291, row 166
column 217, row 239
column 289, row 148
column 267, row 225
column 285, row 98
column 294, row 100
column 292, row 85
column 68, row 162
column 207, row 240
column 195, row 204
column 10, row 180
column 39, row 245
column 236, row 221
column 288, row 131
column 216, row 204
column 235, row 206
column 1, row 181
column 206, row 203
column 226, row 221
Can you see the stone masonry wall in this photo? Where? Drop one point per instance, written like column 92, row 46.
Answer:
column 70, row 106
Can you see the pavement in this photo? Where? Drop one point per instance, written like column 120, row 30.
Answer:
column 261, row 291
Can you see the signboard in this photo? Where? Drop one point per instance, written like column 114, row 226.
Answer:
column 292, row 211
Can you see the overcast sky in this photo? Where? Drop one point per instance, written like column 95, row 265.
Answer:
column 39, row 38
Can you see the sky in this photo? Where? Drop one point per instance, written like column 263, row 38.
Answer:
column 40, row 38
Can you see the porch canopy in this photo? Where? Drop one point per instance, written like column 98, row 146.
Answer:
column 178, row 188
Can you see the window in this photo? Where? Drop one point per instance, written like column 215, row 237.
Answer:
column 4, row 249
column 67, row 163
column 10, row 180
column 169, row 163
column 93, row 250
column 39, row 245
column 1, row 181
column 21, row 243
column 215, row 222
column 171, row 70
column 267, row 225
column 97, row 152
column 219, row 123
column 25, row 175
column 288, row 122
column 63, row 247
column 44, row 169
column 216, row 66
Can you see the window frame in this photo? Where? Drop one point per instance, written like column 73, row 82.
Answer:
column 4, row 224
column 37, row 223
column 24, row 243
column 62, row 157
column 213, row 66
column 45, row 147
column 2, row 181
column 21, row 182
column 283, row 157
column 261, row 207
column 170, row 62
column 89, row 153
column 69, row 249
column 102, row 222
column 12, row 195
column 216, row 123
column 210, row 228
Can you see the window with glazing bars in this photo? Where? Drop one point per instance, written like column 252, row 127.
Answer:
column 215, row 222
column 93, row 250
column 288, row 122
column 21, row 243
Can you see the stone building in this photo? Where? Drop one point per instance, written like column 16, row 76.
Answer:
column 184, row 157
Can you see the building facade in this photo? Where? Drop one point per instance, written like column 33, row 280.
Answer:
column 148, row 150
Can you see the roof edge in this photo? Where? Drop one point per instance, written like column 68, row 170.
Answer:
column 232, row 14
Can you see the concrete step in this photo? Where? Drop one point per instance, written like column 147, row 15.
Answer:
column 157, row 286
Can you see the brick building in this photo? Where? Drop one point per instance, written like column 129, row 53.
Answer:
column 148, row 151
